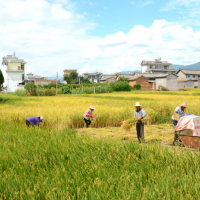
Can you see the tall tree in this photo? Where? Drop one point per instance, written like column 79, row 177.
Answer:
column 1, row 82
column 1, row 78
column 71, row 78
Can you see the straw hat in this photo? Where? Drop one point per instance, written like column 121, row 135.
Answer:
column 137, row 104
column 184, row 104
column 92, row 108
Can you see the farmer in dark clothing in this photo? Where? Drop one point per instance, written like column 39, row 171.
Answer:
column 140, row 114
column 34, row 121
column 87, row 116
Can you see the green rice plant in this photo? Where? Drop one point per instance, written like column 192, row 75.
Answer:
column 37, row 163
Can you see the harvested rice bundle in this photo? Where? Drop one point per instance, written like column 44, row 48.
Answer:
column 176, row 116
column 126, row 125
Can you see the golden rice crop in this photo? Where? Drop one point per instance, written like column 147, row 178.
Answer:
column 128, row 124
column 66, row 111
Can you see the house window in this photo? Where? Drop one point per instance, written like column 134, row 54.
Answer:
column 198, row 76
column 193, row 76
column 151, row 66
column 187, row 76
column 22, row 77
column 165, row 67
column 158, row 67
column 22, row 67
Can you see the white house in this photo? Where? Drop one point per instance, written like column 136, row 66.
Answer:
column 157, row 66
column 14, row 72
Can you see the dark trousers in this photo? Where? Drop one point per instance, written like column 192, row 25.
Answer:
column 88, row 122
column 27, row 123
column 140, row 131
column 175, row 134
column 175, row 123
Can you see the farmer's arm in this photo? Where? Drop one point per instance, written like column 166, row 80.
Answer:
column 143, row 114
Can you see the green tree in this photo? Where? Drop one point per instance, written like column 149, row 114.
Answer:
column 123, row 79
column 71, row 78
column 1, row 81
column 85, row 80
column 30, row 86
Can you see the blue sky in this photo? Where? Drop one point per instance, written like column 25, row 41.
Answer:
column 108, row 36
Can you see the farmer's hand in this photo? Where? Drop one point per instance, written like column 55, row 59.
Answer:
column 139, row 118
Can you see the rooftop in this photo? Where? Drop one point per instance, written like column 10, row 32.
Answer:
column 12, row 59
column 155, row 62
column 190, row 72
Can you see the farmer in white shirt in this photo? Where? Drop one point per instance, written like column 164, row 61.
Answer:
column 180, row 110
column 140, row 114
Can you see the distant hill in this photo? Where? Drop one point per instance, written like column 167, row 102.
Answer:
column 127, row 72
column 195, row 66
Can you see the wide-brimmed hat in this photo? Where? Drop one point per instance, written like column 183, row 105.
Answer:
column 137, row 104
column 41, row 118
column 92, row 108
column 184, row 104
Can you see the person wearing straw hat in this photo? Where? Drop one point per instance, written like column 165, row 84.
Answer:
column 34, row 121
column 87, row 116
column 140, row 114
column 180, row 110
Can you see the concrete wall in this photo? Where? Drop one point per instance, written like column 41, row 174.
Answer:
column 161, row 81
column 196, row 84
column 189, row 84
column 143, row 68
column 186, row 84
column 181, row 85
column 199, row 83
column 181, row 75
column 172, row 83
column 13, row 78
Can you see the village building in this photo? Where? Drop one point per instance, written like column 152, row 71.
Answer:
column 157, row 66
column 108, row 78
column 167, row 80
column 184, row 84
column 142, row 80
column 13, row 72
column 185, row 75
column 93, row 77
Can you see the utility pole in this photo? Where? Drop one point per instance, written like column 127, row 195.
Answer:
column 56, row 84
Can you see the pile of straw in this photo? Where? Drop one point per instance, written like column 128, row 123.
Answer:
column 126, row 125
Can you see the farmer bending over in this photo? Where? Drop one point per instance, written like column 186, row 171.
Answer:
column 34, row 121
column 140, row 114
column 87, row 116
column 180, row 110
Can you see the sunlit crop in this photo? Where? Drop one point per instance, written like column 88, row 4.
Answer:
column 53, row 161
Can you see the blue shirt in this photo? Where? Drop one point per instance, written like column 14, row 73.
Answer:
column 179, row 111
column 33, row 120
column 140, row 113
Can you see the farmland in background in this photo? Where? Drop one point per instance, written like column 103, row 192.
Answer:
column 55, row 162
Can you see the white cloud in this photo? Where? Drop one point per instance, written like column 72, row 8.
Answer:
column 121, row 51
column 52, row 37
column 142, row 4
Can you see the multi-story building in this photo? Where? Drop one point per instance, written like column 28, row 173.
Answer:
column 156, row 66
column 68, row 71
column 93, row 77
column 185, row 75
column 13, row 72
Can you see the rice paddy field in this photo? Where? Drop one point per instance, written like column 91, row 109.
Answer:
column 61, row 159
